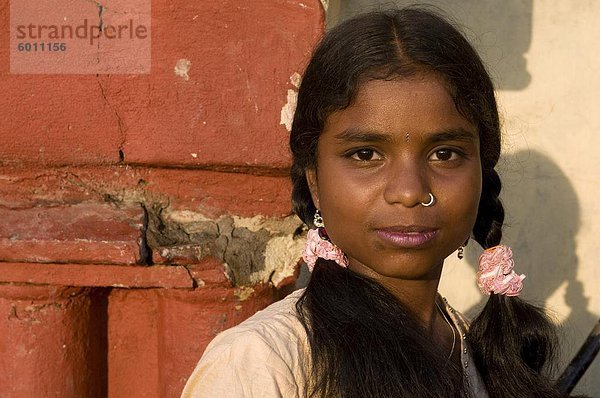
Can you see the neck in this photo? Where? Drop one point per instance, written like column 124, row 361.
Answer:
column 417, row 295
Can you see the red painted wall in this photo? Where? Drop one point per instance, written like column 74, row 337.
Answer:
column 90, row 305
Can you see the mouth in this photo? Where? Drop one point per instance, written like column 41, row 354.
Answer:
column 408, row 237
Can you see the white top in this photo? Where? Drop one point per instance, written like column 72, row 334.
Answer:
column 267, row 356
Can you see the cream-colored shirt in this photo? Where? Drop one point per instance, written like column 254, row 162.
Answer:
column 267, row 356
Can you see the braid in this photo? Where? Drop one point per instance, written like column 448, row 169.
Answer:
column 490, row 217
column 302, row 203
column 512, row 340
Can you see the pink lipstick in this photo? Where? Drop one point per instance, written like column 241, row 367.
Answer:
column 407, row 237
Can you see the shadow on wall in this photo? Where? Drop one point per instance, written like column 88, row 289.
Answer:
column 543, row 219
column 500, row 31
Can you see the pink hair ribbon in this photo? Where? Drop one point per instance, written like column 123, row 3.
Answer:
column 496, row 273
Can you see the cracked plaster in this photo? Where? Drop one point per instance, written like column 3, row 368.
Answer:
column 253, row 250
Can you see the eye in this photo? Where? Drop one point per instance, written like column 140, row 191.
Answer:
column 444, row 155
column 365, row 155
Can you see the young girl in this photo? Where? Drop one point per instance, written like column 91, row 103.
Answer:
column 394, row 144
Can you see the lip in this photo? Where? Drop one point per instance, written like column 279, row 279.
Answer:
column 411, row 236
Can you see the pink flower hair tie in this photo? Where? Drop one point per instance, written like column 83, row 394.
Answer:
column 317, row 246
column 496, row 273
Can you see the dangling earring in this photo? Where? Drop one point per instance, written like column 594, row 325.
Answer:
column 318, row 245
column 318, row 220
column 461, row 250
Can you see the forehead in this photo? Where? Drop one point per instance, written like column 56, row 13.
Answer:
column 418, row 104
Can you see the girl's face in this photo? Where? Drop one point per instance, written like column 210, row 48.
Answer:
column 379, row 159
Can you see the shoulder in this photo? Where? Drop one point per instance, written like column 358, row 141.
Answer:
column 278, row 320
column 277, row 326
column 262, row 356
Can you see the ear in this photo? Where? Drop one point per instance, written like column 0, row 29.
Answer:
column 313, row 185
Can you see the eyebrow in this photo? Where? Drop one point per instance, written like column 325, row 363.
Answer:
column 357, row 135
column 458, row 134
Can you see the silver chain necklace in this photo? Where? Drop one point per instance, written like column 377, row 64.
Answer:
column 451, row 328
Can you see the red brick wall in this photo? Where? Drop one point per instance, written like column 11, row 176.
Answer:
column 142, row 214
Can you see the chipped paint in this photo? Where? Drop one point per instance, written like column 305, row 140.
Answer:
column 295, row 79
column 194, row 155
column 187, row 216
column 325, row 4
column 253, row 250
column 281, row 256
column 181, row 251
column 287, row 112
column 254, row 224
column 244, row 293
column 228, row 273
column 286, row 225
column 182, row 68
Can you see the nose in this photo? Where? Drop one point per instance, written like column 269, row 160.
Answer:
column 406, row 183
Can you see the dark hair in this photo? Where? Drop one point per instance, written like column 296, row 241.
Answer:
column 363, row 341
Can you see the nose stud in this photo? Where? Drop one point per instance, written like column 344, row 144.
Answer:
column 431, row 200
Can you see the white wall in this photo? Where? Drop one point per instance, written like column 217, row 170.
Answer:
column 543, row 55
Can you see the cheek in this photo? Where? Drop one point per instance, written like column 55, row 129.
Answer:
column 343, row 197
column 463, row 197
column 345, row 200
